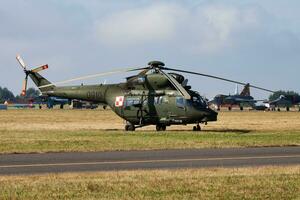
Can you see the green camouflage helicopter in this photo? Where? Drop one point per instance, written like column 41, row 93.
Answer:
column 152, row 97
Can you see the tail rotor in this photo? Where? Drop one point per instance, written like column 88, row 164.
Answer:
column 27, row 72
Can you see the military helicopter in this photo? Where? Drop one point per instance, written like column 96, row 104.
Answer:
column 152, row 97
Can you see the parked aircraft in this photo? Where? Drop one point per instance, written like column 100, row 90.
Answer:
column 286, row 101
column 241, row 100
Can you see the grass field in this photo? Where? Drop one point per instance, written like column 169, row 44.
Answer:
column 243, row 183
column 97, row 130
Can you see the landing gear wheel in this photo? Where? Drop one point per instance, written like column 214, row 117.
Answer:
column 229, row 108
column 161, row 127
column 287, row 109
column 241, row 108
column 129, row 127
column 278, row 109
column 197, row 128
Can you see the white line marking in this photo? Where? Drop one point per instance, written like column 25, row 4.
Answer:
column 147, row 161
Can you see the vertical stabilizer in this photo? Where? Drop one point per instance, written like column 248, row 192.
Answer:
column 246, row 90
column 236, row 92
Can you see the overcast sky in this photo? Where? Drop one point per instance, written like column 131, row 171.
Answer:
column 254, row 41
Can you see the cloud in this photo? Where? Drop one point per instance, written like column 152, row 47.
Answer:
column 206, row 28
column 157, row 23
column 219, row 26
column 78, row 37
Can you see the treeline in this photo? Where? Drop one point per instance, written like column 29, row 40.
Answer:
column 7, row 95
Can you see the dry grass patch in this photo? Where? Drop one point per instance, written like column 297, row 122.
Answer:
column 98, row 130
column 218, row 183
column 107, row 120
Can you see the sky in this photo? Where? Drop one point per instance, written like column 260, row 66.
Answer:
column 255, row 41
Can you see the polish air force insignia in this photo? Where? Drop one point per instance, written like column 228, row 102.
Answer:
column 119, row 101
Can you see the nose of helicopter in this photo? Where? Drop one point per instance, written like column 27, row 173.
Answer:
column 210, row 115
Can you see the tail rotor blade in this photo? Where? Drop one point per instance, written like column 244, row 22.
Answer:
column 38, row 69
column 24, row 88
column 21, row 61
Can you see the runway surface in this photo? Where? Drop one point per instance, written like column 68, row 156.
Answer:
column 157, row 159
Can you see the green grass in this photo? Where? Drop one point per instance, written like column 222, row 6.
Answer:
column 241, row 183
column 98, row 130
column 16, row 141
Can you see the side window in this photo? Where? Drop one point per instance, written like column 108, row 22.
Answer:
column 180, row 102
column 158, row 100
column 130, row 101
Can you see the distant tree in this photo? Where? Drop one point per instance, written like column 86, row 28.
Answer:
column 6, row 95
column 277, row 94
column 31, row 93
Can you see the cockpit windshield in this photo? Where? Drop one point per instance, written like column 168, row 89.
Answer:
column 198, row 101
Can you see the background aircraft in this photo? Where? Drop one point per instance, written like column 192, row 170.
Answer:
column 241, row 100
column 286, row 101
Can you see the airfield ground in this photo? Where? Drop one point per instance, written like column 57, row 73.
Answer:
column 23, row 131
column 240, row 183
column 96, row 130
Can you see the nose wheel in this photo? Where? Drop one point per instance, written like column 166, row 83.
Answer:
column 129, row 127
column 197, row 128
column 160, row 127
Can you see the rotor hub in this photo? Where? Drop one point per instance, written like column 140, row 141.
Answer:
column 156, row 64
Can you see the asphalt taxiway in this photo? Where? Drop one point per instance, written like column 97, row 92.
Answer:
column 154, row 159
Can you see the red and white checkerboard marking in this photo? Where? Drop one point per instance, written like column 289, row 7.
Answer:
column 119, row 101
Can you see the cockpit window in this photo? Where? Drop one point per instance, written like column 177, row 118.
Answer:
column 197, row 100
column 180, row 102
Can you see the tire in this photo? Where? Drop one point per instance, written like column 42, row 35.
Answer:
column 161, row 127
column 129, row 127
column 194, row 128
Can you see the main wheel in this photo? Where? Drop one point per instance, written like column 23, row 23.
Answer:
column 129, row 127
column 160, row 127
column 197, row 128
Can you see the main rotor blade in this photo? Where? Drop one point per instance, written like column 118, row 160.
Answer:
column 177, row 85
column 142, row 73
column 219, row 78
column 21, row 61
column 90, row 76
column 40, row 68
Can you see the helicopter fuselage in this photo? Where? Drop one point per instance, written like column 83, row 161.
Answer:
column 143, row 101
